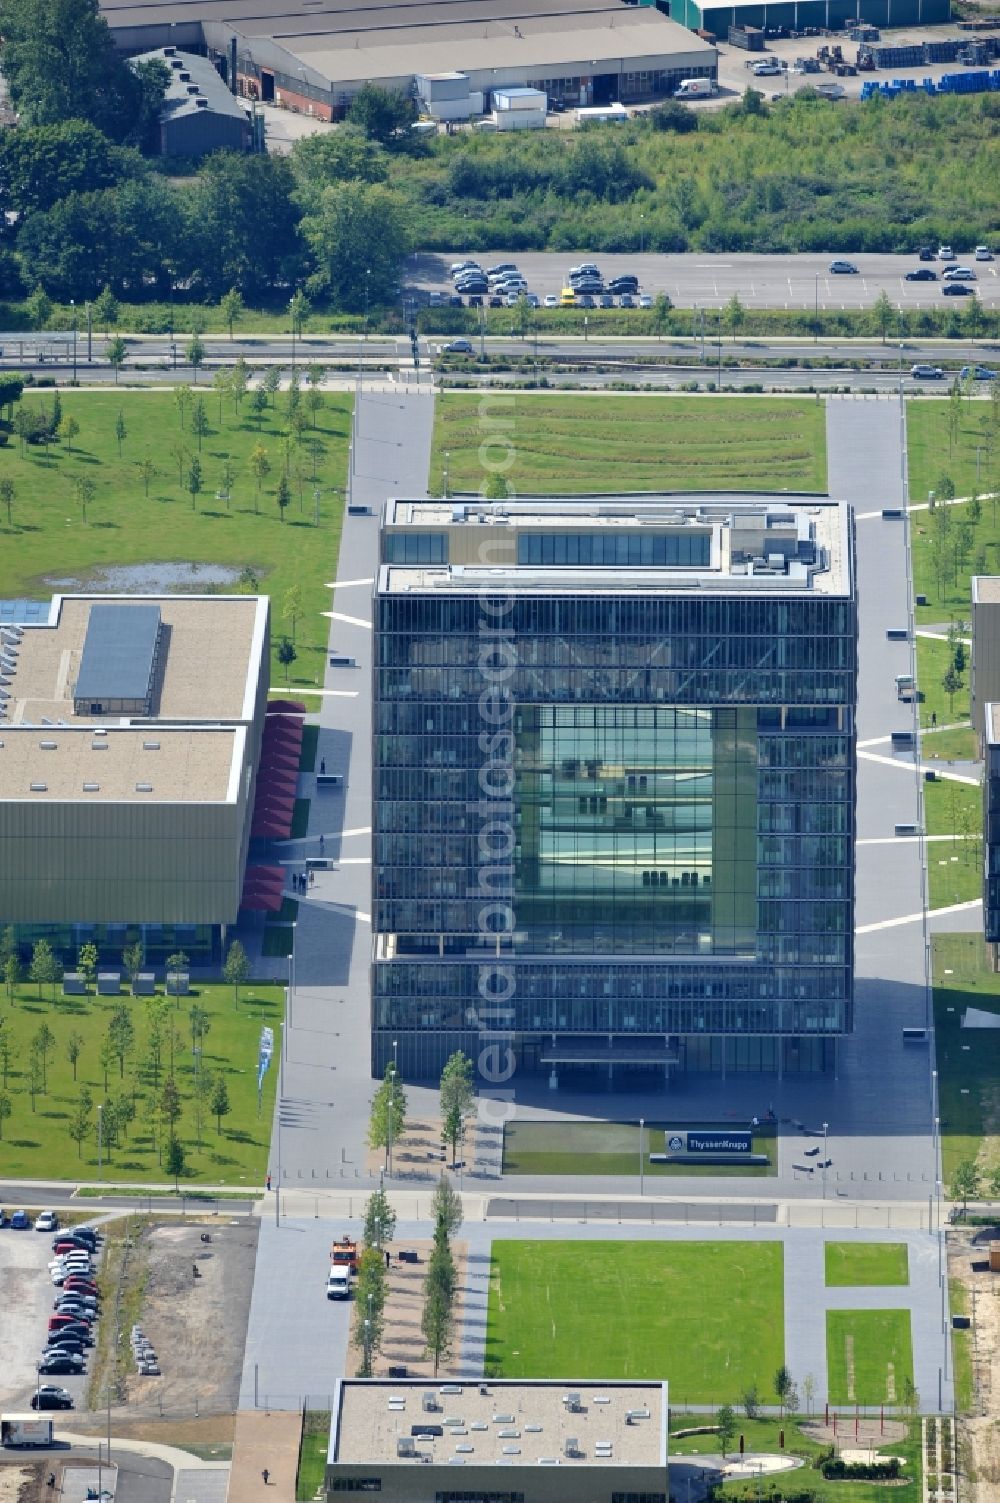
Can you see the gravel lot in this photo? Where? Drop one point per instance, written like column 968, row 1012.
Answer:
column 196, row 1325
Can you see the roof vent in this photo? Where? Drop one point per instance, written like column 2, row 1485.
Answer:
column 98, row 746
column 184, row 77
column 201, row 104
column 170, row 52
column 192, row 88
column 100, row 732
column 176, row 63
column 150, row 746
column 91, row 787
column 39, row 787
column 143, row 787
column 48, row 745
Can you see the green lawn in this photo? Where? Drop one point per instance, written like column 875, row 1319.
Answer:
column 961, row 1348
column 949, row 746
column 37, row 1143
column 613, row 1148
column 568, row 444
column 954, row 866
column 763, row 1436
column 933, row 657
column 312, row 1453
column 869, row 1356
column 966, row 1061
column 850, row 1263
column 932, row 455
column 656, row 1306
column 48, row 539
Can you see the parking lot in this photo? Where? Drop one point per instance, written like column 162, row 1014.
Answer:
column 26, row 1297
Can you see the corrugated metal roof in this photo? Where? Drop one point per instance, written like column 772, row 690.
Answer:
column 269, row 18
column 202, row 82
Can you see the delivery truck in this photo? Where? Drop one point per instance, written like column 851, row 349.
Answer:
column 25, row 1430
column 695, row 88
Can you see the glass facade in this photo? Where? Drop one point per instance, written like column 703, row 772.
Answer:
column 640, row 808
column 615, row 550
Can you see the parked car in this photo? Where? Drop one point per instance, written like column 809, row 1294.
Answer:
column 47, row 1221
column 20, row 1221
column 455, row 301
column 48, row 1396
column 624, row 283
column 585, row 269
column 50, row 1366
column 945, row 253
column 844, row 268
column 500, row 268
column 457, row 266
column 977, row 373
column 958, row 289
column 926, row 372
column 765, row 69
column 983, row 253
column 960, row 274
column 605, row 300
column 922, row 274
column 496, row 301
column 585, row 300
column 567, row 298
column 925, row 253
column 77, row 1281
column 626, row 300
column 550, row 300
column 589, row 285
column 532, row 299
column 437, row 300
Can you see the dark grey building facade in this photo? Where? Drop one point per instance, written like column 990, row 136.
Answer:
column 614, row 784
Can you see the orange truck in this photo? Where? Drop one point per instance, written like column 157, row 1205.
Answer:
column 345, row 1251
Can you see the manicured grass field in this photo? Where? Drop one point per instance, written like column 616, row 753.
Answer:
column 48, row 539
column 965, row 1061
column 954, row 866
column 707, row 1316
column 37, row 1143
column 613, row 1148
column 869, row 1356
column 932, row 455
column 851, row 1263
column 961, row 1348
column 949, row 746
column 933, row 657
column 568, row 444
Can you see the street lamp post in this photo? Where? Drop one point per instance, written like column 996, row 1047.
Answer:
column 816, row 309
column 293, row 312
column 72, row 303
column 100, row 1140
column 90, row 333
column 826, row 1128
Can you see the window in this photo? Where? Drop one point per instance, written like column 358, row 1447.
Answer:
column 638, row 1498
column 615, row 550
column 356, row 1485
column 416, row 548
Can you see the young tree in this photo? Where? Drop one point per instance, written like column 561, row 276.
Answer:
column 81, row 1123
column 36, row 1082
column 106, row 1059
column 446, row 1208
column 457, row 1099
column 314, row 402
column 121, row 431
column 299, row 308
column 239, row 380
column 86, row 962
column 39, row 307
column 260, row 466
column 182, row 396
column 369, row 1307
column 121, row 1036
column 750, row 1399
column 226, row 479
column 6, row 1108
column 734, row 314
column 170, row 1104
column 783, row 1387
column 194, row 481
column 809, row 1391
column 45, row 968
column 199, row 421
column 7, row 494
column 388, row 1114
column 6, row 1046
column 13, row 974
column 965, row 1183
column 219, row 1103
column 222, row 382
column 271, row 381
column 884, row 314
column 291, row 606
column 283, row 496
column 74, row 1048
column 380, row 1221
column 286, row 655
column 175, row 1161
column 68, row 430
column 437, row 1322
column 200, row 1023
column 951, row 683
column 105, row 309
column 258, row 404
column 133, row 957
column 236, row 971
column 182, row 454
column 725, row 1424
column 195, row 355
column 42, row 1043
column 230, row 307
column 85, row 490
column 124, row 1108
column 116, row 351
column 147, row 472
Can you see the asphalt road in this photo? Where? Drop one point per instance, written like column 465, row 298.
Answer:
column 14, row 1193
column 705, row 281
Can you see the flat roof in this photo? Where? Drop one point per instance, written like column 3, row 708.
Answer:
column 212, row 656
column 75, row 764
column 986, row 589
column 119, row 652
column 760, row 544
column 500, row 1423
column 993, row 724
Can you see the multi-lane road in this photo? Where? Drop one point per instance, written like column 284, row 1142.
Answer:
column 705, row 281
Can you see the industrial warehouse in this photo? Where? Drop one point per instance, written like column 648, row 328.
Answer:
column 579, row 52
column 138, row 763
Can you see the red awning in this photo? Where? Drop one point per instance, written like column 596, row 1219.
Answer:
column 261, row 902
column 269, row 830
column 285, row 707
column 278, row 782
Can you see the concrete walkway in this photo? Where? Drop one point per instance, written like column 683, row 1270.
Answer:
column 265, row 1440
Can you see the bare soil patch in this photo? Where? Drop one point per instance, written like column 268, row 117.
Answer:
column 403, row 1343
column 978, row 1434
column 870, row 1434
column 197, row 1325
column 20, row 1483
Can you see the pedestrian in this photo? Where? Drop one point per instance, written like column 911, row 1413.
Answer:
column 387, row 1258
column 269, row 1181
column 312, row 877
column 934, row 717
column 322, row 766
column 322, row 844
column 266, row 1476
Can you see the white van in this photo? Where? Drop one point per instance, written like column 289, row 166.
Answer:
column 695, row 88
column 338, row 1285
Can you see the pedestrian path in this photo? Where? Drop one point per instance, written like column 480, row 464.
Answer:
column 264, row 1440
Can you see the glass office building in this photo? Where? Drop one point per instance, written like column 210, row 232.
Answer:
column 613, row 785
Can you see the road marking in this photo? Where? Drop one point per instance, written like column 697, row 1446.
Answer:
column 346, row 584
column 916, row 918
column 350, row 620
column 361, row 830
column 939, row 636
column 948, row 777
